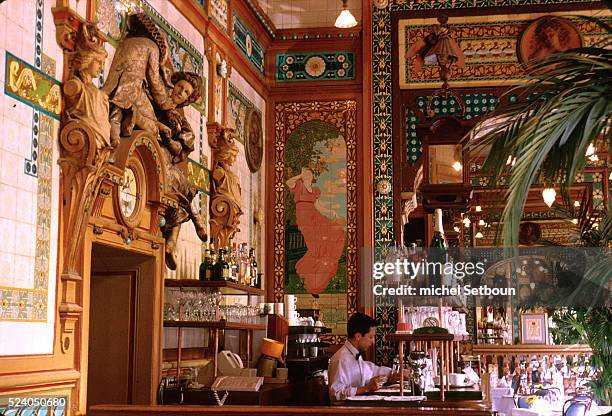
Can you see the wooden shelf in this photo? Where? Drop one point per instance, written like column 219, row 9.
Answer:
column 307, row 329
column 227, row 287
column 214, row 325
column 420, row 337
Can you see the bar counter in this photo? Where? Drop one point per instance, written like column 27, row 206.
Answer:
column 433, row 408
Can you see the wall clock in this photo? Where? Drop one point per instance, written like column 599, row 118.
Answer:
column 128, row 193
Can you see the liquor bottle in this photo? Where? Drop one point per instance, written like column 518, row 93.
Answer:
column 222, row 268
column 205, row 269
column 253, row 268
column 210, row 271
column 231, row 259
column 245, row 266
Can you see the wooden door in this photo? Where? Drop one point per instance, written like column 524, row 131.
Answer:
column 111, row 338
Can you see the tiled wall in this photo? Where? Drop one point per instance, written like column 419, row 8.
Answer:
column 252, row 185
column 28, row 197
column 307, row 13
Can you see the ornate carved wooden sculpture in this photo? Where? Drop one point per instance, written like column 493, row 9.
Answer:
column 85, row 148
column 146, row 95
column 226, row 202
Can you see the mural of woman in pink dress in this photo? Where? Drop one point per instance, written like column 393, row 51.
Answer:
column 324, row 237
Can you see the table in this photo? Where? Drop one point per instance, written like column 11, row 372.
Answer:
column 426, row 340
column 500, row 401
column 555, row 409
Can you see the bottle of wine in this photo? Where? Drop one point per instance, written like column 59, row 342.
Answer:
column 245, row 266
column 253, row 264
column 221, row 268
column 205, row 270
column 210, row 271
column 232, row 262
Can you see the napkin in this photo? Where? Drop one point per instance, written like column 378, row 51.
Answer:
column 503, row 382
column 472, row 376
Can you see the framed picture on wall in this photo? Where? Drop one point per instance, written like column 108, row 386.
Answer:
column 534, row 328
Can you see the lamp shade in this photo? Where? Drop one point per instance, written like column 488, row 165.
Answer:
column 345, row 20
column 549, row 195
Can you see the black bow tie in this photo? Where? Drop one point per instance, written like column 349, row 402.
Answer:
column 357, row 356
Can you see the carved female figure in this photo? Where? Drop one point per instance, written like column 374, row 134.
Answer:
column 225, row 207
column 84, row 101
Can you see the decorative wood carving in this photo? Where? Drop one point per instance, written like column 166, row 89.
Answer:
column 84, row 154
column 225, row 203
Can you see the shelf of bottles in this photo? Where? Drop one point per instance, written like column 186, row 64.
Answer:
column 234, row 265
column 225, row 286
column 222, row 324
column 198, row 302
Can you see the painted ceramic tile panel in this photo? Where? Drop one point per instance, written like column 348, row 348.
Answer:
column 489, row 48
column 248, row 44
column 198, row 176
column 320, row 66
column 331, row 307
column 315, row 210
column 239, row 107
column 219, row 13
column 32, row 86
column 111, row 19
column 30, row 303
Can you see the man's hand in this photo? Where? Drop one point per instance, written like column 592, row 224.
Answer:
column 375, row 383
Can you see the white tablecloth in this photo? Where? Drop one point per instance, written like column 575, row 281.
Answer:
column 556, row 410
column 504, row 404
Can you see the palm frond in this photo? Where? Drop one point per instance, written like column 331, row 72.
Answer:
column 548, row 135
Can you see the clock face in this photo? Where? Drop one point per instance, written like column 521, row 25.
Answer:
column 128, row 194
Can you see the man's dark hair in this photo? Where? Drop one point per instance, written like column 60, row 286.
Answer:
column 359, row 323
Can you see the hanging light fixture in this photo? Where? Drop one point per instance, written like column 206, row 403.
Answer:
column 549, row 195
column 481, row 222
column 345, row 19
column 478, row 208
column 456, row 229
column 479, row 235
column 466, row 222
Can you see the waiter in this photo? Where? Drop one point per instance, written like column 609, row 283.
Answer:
column 349, row 374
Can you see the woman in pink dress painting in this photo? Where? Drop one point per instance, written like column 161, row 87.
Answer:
column 324, row 237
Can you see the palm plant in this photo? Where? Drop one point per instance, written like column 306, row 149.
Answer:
column 548, row 137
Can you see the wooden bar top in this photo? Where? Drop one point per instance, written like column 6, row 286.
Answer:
column 464, row 408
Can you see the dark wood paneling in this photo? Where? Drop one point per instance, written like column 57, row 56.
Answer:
column 465, row 408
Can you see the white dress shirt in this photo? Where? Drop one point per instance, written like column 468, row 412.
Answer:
column 346, row 372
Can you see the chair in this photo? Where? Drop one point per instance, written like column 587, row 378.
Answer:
column 574, row 409
column 515, row 384
column 524, row 402
column 583, row 398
